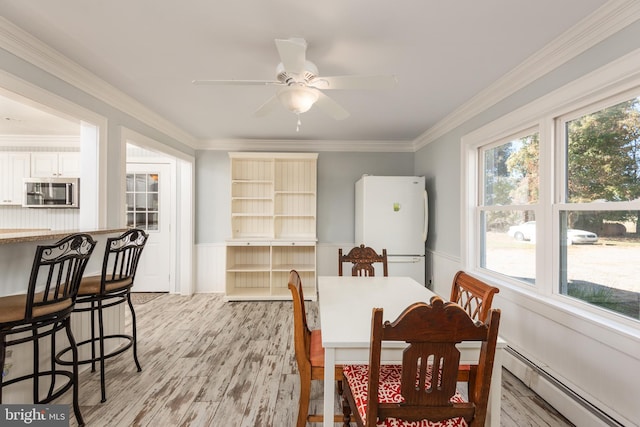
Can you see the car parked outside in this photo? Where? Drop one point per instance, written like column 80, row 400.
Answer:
column 527, row 231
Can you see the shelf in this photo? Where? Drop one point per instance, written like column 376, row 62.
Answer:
column 244, row 294
column 251, row 198
column 301, row 193
column 273, row 225
column 258, row 268
column 298, row 267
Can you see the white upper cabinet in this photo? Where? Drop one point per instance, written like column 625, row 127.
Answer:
column 55, row 165
column 14, row 166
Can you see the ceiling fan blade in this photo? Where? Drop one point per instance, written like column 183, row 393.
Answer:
column 355, row 82
column 292, row 54
column 233, row 82
column 331, row 107
column 266, row 108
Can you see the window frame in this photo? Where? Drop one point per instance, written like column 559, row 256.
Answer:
column 602, row 88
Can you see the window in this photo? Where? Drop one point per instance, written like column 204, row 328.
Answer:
column 509, row 202
column 142, row 200
column 598, row 206
column 577, row 223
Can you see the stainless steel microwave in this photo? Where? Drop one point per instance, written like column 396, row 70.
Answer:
column 51, row 193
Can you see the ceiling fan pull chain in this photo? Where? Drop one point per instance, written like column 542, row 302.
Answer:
column 299, row 123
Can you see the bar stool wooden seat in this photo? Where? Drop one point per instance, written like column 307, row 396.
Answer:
column 44, row 310
column 111, row 288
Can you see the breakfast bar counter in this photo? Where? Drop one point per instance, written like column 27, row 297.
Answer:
column 18, row 247
column 21, row 235
column 17, row 250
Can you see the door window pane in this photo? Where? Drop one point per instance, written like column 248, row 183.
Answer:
column 143, row 201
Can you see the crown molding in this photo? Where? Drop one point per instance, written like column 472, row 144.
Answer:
column 307, row 145
column 25, row 46
column 612, row 17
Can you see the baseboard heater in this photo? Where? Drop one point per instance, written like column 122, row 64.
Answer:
column 603, row 416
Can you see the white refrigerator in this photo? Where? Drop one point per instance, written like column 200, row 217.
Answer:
column 392, row 213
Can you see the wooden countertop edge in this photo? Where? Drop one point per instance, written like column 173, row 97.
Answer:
column 35, row 236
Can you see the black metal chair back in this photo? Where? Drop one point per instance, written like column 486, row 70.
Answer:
column 121, row 258
column 55, row 275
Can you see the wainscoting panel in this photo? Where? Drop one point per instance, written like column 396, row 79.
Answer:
column 443, row 267
column 210, row 268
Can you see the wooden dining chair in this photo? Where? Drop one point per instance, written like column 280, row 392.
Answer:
column 423, row 387
column 310, row 357
column 37, row 315
column 475, row 297
column 363, row 257
column 472, row 294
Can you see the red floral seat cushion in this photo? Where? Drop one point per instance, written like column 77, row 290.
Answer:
column 389, row 392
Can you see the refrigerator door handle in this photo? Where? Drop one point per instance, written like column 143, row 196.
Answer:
column 426, row 216
column 403, row 259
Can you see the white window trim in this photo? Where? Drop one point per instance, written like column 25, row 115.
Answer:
column 606, row 82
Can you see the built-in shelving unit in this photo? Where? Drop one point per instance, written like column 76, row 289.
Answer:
column 273, row 225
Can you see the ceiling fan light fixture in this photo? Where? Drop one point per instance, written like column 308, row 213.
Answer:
column 297, row 99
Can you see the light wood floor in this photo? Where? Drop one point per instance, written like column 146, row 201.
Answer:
column 211, row 363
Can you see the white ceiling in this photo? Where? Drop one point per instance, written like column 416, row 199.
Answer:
column 19, row 116
column 442, row 52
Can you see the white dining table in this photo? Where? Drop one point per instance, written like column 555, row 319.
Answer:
column 345, row 305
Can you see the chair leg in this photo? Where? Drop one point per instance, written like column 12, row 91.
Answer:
column 346, row 409
column 3, row 355
column 52, row 385
column 36, row 365
column 133, row 333
column 103, row 388
column 305, row 396
column 74, row 352
column 93, row 336
column 346, row 412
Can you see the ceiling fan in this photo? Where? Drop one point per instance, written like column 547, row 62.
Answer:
column 301, row 87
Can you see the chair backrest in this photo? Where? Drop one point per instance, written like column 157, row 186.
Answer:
column 55, row 275
column 431, row 361
column 363, row 257
column 474, row 295
column 121, row 257
column 301, row 331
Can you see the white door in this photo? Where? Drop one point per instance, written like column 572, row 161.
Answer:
column 148, row 207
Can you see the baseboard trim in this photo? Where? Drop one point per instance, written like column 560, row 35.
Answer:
column 570, row 404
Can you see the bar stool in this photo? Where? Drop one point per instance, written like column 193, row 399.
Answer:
column 44, row 310
column 111, row 288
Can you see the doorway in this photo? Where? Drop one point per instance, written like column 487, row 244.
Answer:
column 173, row 217
column 148, row 207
